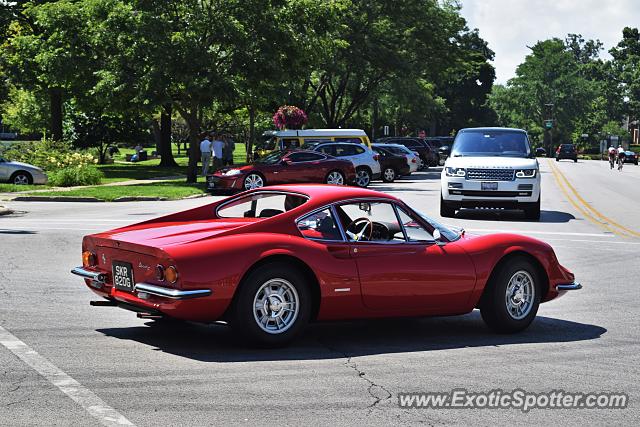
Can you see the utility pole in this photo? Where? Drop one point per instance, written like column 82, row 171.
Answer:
column 548, row 125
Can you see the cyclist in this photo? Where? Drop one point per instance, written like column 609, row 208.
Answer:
column 613, row 155
column 620, row 157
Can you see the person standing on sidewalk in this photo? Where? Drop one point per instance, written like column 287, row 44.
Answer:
column 217, row 152
column 205, row 154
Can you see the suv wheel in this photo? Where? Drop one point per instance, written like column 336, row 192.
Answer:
column 446, row 210
column 389, row 175
column 363, row 177
column 533, row 211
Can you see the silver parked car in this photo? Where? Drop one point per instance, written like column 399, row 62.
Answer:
column 21, row 173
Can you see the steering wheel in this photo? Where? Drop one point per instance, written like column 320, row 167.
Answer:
column 357, row 236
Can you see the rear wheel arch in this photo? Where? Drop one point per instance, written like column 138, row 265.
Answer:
column 506, row 258
column 311, row 278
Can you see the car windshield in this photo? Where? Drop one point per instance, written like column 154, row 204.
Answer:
column 271, row 158
column 450, row 233
column 491, row 143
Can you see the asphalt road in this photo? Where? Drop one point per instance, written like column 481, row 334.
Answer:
column 337, row 373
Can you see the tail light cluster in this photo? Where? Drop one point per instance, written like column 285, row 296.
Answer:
column 376, row 157
column 168, row 274
column 89, row 259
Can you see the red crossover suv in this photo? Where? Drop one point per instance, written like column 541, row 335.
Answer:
column 284, row 167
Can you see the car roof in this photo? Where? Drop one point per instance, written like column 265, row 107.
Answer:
column 492, row 128
column 320, row 132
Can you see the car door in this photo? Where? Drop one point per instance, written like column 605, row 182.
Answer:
column 407, row 272
column 4, row 170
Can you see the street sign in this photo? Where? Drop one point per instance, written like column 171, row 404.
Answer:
column 548, row 124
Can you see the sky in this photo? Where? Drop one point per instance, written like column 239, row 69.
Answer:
column 509, row 26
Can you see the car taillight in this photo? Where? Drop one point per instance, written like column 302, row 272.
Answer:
column 171, row 274
column 88, row 259
column 376, row 157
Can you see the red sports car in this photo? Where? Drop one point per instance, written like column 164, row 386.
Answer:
column 284, row 167
column 270, row 260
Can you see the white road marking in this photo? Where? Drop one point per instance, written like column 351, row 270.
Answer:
column 51, row 228
column 596, row 241
column 559, row 233
column 72, row 388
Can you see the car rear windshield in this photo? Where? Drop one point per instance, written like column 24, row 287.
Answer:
column 261, row 205
column 491, row 143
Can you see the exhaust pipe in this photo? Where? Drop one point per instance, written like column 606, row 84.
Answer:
column 103, row 303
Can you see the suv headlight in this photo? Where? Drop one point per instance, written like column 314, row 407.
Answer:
column 526, row 173
column 232, row 172
column 454, row 171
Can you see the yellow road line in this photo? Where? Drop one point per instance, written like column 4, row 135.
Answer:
column 589, row 211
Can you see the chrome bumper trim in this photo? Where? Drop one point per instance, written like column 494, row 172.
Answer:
column 87, row 274
column 568, row 286
column 171, row 293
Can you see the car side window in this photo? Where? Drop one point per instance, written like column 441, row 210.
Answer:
column 343, row 150
column 328, row 149
column 414, row 230
column 304, row 157
column 352, row 140
column 358, row 150
column 370, row 222
column 319, row 226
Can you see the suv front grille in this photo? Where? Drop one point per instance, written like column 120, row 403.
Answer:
column 490, row 174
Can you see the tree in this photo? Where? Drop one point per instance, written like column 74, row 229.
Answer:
column 626, row 71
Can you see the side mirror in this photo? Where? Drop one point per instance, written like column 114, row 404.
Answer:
column 437, row 236
column 444, row 149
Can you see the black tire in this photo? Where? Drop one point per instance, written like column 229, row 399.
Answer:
column 446, row 210
column 333, row 172
column 244, row 315
column 363, row 177
column 21, row 178
column 533, row 211
column 389, row 174
column 575, row 160
column 494, row 307
column 557, row 159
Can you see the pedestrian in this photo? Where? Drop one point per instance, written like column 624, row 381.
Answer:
column 217, row 151
column 228, row 149
column 205, row 154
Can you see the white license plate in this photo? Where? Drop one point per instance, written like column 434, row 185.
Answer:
column 489, row 186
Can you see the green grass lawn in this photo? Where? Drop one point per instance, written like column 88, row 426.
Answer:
column 171, row 190
column 11, row 188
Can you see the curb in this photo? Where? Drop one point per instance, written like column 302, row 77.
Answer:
column 139, row 199
column 55, row 199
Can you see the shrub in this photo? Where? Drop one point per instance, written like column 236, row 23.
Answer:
column 75, row 175
column 289, row 117
column 49, row 155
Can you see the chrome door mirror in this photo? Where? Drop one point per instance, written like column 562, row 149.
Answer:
column 437, row 236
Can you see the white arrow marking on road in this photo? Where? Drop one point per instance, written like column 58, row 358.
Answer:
column 72, row 388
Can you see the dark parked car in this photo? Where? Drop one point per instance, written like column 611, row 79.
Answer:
column 630, row 157
column 428, row 155
column 541, row 152
column 284, row 167
column 392, row 165
column 566, row 151
column 441, row 145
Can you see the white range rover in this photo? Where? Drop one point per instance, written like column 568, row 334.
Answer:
column 491, row 167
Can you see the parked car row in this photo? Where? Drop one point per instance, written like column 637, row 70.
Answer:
column 21, row 173
column 331, row 156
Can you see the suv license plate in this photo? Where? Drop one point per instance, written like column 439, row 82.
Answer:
column 123, row 276
column 489, row 186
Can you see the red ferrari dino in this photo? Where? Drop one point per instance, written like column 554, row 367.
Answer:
column 270, row 260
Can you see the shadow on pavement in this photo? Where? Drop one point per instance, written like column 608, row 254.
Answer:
column 215, row 343
column 513, row 215
column 17, row 232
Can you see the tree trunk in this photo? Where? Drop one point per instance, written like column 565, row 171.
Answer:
column 252, row 131
column 55, row 98
column 191, row 118
column 166, row 155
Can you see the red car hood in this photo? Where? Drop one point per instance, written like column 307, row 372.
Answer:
column 162, row 235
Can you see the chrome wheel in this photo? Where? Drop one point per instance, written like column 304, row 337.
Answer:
column 335, row 178
column 253, row 181
column 520, row 295
column 389, row 174
column 362, row 178
column 21, row 179
column 276, row 306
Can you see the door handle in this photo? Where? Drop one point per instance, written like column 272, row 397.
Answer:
column 339, row 251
